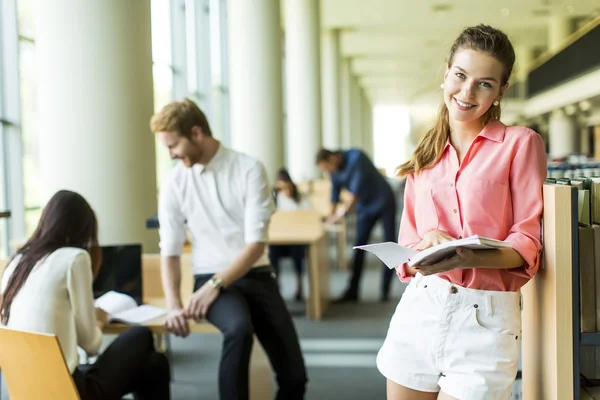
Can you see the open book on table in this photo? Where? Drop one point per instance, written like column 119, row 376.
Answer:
column 123, row 308
column 393, row 254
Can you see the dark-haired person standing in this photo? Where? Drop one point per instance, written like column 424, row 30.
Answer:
column 372, row 198
column 47, row 288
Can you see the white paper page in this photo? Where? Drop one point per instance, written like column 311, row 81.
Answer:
column 113, row 302
column 392, row 254
column 139, row 315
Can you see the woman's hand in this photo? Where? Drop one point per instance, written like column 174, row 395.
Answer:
column 433, row 238
column 464, row 258
column 101, row 317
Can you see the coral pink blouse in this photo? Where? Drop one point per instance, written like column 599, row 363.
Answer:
column 496, row 192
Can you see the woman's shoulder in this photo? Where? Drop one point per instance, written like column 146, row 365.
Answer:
column 70, row 256
column 518, row 133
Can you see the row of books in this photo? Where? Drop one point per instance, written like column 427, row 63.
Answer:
column 589, row 266
column 588, row 199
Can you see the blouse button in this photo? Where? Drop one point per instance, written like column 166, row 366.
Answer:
column 454, row 211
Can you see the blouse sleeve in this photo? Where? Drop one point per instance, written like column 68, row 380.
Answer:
column 527, row 174
column 408, row 236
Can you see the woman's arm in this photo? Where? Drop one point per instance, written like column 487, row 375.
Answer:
column 528, row 171
column 79, row 285
column 408, row 236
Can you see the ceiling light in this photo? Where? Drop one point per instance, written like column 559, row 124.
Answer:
column 505, row 12
column 585, row 105
column 570, row 110
column 441, row 7
column 570, row 9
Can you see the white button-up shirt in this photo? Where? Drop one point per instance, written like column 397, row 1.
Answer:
column 226, row 205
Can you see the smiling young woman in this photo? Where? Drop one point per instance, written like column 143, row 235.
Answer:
column 456, row 331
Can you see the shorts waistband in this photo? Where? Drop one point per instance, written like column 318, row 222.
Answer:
column 499, row 299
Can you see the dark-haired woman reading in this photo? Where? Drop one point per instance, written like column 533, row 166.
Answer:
column 47, row 288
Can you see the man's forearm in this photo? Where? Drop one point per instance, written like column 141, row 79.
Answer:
column 350, row 203
column 333, row 208
column 171, row 278
column 243, row 263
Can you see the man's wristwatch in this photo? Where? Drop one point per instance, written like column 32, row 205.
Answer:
column 216, row 282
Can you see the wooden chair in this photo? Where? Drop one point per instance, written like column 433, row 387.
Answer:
column 34, row 367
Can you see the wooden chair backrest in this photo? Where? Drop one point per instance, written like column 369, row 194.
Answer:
column 152, row 289
column 34, row 367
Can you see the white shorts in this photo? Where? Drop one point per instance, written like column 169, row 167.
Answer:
column 464, row 342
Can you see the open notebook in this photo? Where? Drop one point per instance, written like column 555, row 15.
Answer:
column 393, row 254
column 123, row 308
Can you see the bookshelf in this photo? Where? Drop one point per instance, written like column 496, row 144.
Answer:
column 551, row 325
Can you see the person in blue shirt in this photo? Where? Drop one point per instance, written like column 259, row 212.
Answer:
column 371, row 196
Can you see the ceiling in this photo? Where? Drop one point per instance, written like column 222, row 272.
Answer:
column 397, row 48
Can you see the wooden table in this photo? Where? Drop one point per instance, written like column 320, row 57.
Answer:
column 304, row 227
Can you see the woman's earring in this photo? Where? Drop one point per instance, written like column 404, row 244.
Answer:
column 496, row 102
column 442, row 86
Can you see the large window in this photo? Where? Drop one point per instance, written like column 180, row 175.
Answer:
column 11, row 176
column 189, row 60
column 219, row 69
column 29, row 113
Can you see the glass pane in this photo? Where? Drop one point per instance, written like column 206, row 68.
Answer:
column 26, row 17
column 163, row 94
column 4, row 239
column 163, row 86
column 215, row 41
column 161, row 32
column 30, row 132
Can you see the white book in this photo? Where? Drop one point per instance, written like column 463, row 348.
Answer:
column 392, row 254
column 123, row 308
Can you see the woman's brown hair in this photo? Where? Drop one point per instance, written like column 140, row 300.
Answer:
column 480, row 38
column 284, row 176
column 67, row 221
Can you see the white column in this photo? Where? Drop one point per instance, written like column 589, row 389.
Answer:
column 303, row 85
column 524, row 58
column 95, row 102
column 367, row 124
column 559, row 28
column 331, row 88
column 563, row 134
column 255, row 80
column 345, row 104
column 355, row 114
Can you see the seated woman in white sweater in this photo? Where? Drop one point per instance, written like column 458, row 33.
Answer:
column 288, row 198
column 47, row 288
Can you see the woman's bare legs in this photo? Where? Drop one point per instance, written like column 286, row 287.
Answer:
column 399, row 392
column 444, row 396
